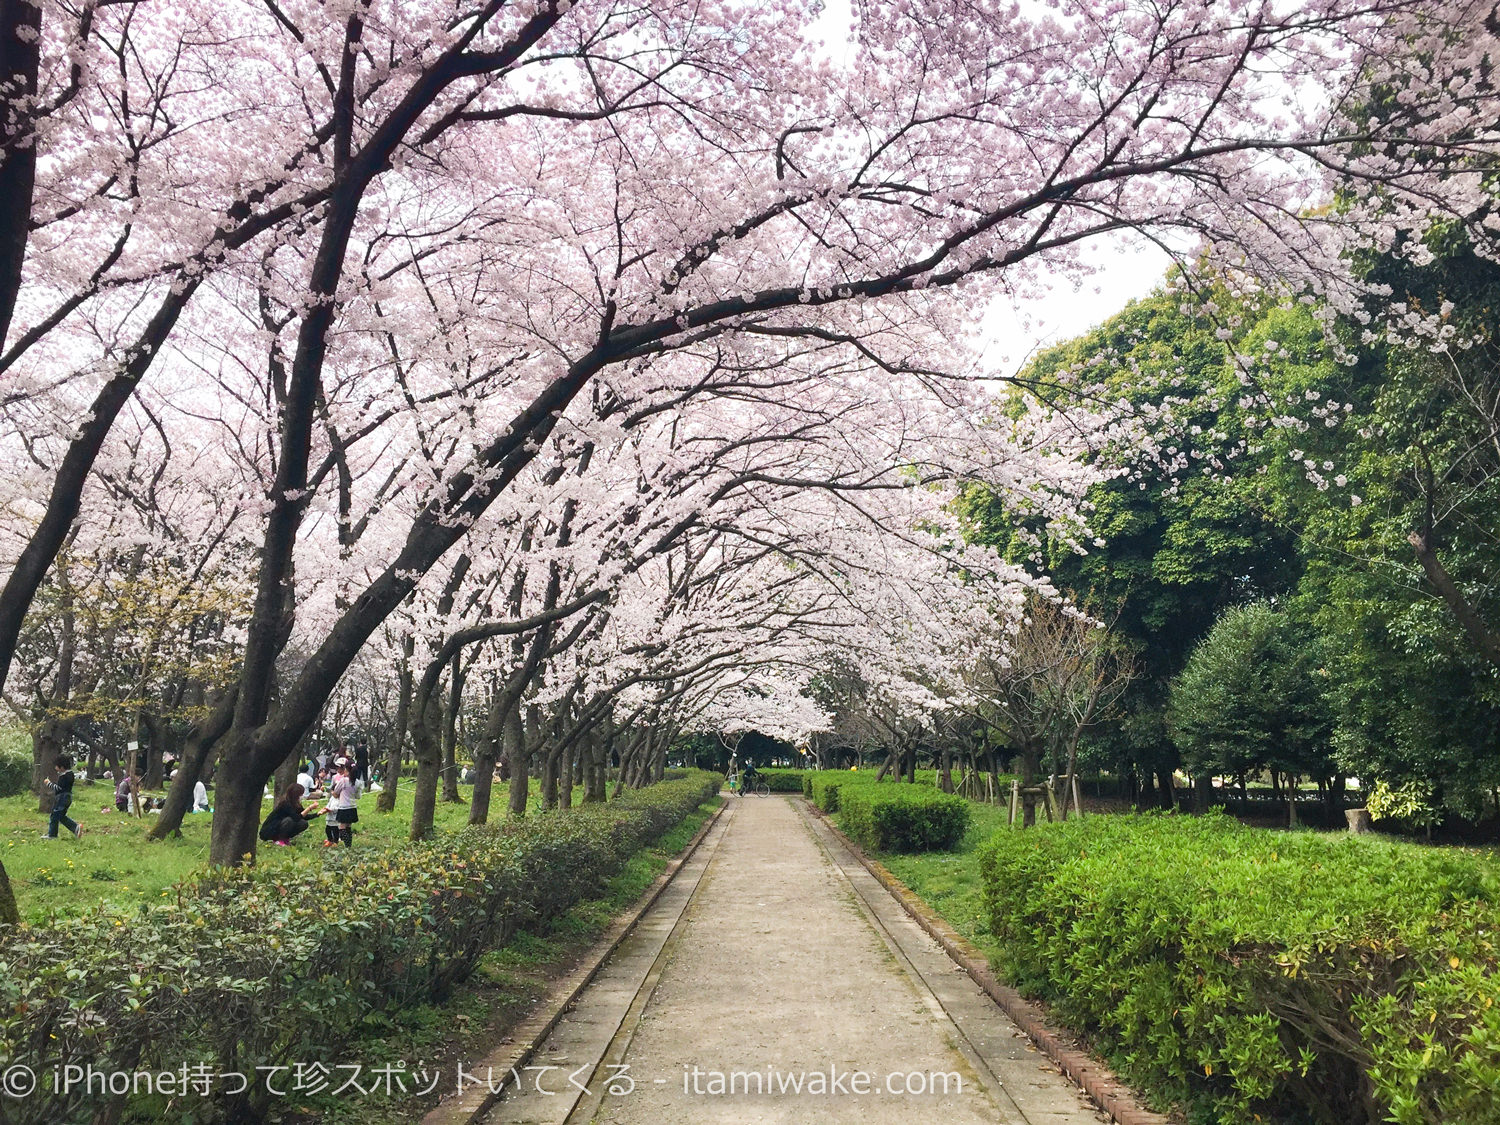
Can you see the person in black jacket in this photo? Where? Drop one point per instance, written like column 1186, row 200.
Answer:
column 288, row 819
column 62, row 785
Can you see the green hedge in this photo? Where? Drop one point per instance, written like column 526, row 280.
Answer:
column 1262, row 975
column 903, row 818
column 821, row 787
column 783, row 780
column 262, row 968
column 15, row 773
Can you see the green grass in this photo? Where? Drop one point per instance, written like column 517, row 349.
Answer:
column 949, row 882
column 115, row 863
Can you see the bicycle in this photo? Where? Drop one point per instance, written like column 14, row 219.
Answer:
column 758, row 788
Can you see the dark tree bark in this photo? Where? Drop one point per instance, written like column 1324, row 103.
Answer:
column 1168, row 790
column 518, row 754
column 1485, row 640
column 387, row 801
column 450, row 732
column 1203, row 793
column 20, row 57
column 565, row 779
column 427, row 742
column 197, row 754
column 9, row 915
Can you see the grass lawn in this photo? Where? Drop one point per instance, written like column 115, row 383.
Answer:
column 949, row 882
column 115, row 863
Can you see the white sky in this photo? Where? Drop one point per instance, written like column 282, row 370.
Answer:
column 1015, row 330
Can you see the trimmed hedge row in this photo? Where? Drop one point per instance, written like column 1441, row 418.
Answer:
column 821, row 787
column 903, row 818
column 780, row 780
column 1261, row 974
column 274, row 968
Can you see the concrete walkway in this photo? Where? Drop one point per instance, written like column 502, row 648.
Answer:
column 776, row 960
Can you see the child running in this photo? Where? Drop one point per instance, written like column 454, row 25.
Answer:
column 62, row 785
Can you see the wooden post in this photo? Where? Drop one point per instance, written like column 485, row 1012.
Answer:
column 1077, row 796
column 1015, row 800
column 1053, row 816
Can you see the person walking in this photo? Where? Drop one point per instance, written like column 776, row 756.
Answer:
column 62, row 785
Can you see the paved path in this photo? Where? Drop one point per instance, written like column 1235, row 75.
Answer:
column 773, row 958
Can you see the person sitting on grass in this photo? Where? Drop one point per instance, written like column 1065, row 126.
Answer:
column 288, row 819
column 62, row 785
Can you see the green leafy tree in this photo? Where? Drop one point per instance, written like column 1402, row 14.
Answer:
column 1251, row 697
column 1178, row 535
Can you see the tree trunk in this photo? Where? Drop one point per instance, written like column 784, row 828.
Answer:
column 485, row 754
column 1333, row 798
column 450, row 733
column 237, row 809
column 148, row 733
column 286, row 773
column 9, row 915
column 1168, row 792
column 549, row 778
column 429, row 753
column 597, row 761
column 1203, row 793
column 387, row 801
column 484, row 783
column 196, row 757
column 518, row 754
column 565, row 779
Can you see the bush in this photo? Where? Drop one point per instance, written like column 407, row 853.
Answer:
column 903, row 818
column 783, row 780
column 15, row 773
column 822, row 786
column 260, row 968
column 1334, row 979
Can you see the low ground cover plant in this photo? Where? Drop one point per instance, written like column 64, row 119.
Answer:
column 265, row 968
column 903, row 818
column 1262, row 975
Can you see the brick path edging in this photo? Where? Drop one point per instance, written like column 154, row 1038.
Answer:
column 1096, row 1079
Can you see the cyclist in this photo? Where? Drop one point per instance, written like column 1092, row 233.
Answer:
column 748, row 777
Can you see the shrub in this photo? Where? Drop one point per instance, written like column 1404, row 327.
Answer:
column 903, row 818
column 783, row 780
column 265, row 968
column 1335, row 979
column 15, row 772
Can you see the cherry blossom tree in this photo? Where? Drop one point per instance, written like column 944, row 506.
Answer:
column 423, row 248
